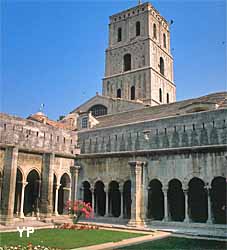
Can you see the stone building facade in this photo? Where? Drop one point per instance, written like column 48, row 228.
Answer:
column 133, row 159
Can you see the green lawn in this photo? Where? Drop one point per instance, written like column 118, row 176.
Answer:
column 174, row 243
column 64, row 238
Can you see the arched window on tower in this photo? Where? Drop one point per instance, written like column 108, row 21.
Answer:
column 119, row 93
column 137, row 28
column 133, row 93
column 167, row 97
column 154, row 31
column 119, row 34
column 161, row 65
column 127, row 62
column 164, row 40
column 160, row 95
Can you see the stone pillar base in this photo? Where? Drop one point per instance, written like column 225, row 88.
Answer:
column 137, row 223
column 6, row 220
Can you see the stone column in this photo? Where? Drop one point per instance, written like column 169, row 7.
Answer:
column 93, row 200
column 46, row 199
column 209, row 206
column 166, row 214
column 56, row 199
column 107, row 203
column 74, row 176
column 139, row 182
column 22, row 199
column 122, row 204
column 9, row 184
column 186, row 206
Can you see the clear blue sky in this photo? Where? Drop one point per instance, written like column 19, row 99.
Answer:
column 52, row 52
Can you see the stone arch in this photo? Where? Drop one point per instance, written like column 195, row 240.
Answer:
column 32, row 193
column 162, row 66
column 160, row 95
column 127, row 62
column 18, row 191
column 155, row 200
column 127, row 200
column 64, row 192
column 119, row 34
column 100, row 198
column 26, row 172
column 176, row 200
column 133, row 93
column 218, row 200
column 138, row 28
column 164, row 40
column 154, row 31
column 119, row 93
column 114, row 199
column 197, row 200
column 87, row 194
column 23, row 173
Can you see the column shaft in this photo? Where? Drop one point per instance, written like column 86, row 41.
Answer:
column 209, row 219
column 22, row 199
column 139, row 182
column 186, row 206
column 46, row 204
column 9, row 184
column 166, row 215
column 56, row 200
column 107, row 204
column 122, row 205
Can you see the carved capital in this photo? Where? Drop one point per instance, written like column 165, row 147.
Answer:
column 75, row 169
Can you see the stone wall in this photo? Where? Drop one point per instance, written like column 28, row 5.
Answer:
column 198, row 129
column 35, row 156
column 36, row 136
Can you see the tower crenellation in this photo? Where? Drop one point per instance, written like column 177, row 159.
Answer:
column 139, row 64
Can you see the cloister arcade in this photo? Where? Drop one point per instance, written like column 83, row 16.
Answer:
column 28, row 193
column 195, row 201
column 171, row 202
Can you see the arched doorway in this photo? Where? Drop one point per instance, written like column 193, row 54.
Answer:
column 18, row 190
column 32, row 194
column 87, row 194
column 197, row 200
column 155, row 200
column 176, row 201
column 218, row 200
column 63, row 193
column 114, row 199
column 100, row 198
column 127, row 201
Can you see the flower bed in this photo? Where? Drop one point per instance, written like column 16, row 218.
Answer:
column 28, row 247
column 78, row 226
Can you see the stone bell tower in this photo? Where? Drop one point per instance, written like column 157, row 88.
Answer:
column 139, row 65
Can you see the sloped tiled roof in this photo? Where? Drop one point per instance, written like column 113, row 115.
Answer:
column 162, row 111
column 40, row 117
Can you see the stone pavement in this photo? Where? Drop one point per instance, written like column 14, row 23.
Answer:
column 33, row 223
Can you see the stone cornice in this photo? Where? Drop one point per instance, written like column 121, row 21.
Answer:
column 38, row 152
column 155, row 152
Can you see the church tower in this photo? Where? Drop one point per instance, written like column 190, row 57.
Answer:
column 139, row 64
